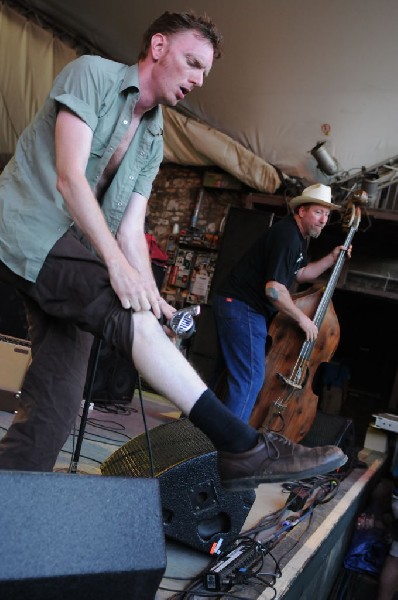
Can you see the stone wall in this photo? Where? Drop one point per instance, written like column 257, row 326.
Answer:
column 175, row 194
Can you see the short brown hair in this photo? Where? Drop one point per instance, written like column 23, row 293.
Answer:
column 169, row 23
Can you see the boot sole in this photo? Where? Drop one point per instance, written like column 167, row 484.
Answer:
column 250, row 482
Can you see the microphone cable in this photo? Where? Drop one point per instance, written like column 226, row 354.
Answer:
column 147, row 436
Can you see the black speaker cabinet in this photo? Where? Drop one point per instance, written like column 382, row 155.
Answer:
column 197, row 511
column 243, row 227
column 203, row 348
column 71, row 537
column 114, row 379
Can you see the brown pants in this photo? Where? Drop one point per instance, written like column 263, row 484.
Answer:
column 71, row 301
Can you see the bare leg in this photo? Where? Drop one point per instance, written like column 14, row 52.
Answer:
column 162, row 365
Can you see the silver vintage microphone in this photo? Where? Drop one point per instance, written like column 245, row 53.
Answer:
column 182, row 322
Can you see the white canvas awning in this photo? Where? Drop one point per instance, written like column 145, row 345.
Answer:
column 292, row 74
column 190, row 142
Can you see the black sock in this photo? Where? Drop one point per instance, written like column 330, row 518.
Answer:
column 226, row 431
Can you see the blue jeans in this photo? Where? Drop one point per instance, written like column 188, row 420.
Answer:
column 242, row 334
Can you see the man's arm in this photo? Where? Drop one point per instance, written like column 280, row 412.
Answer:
column 72, row 144
column 279, row 296
column 312, row 271
column 131, row 240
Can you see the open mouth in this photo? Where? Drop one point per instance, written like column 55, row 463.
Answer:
column 184, row 91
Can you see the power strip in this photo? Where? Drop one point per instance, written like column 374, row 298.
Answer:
column 386, row 421
column 231, row 568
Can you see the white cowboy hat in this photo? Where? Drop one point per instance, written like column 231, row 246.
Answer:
column 315, row 194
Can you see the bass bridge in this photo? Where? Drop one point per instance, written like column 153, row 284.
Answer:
column 289, row 382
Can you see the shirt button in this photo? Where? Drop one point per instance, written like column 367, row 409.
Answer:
column 125, row 122
column 131, row 177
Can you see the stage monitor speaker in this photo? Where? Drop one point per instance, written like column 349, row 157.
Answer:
column 15, row 357
column 71, row 537
column 334, row 430
column 197, row 511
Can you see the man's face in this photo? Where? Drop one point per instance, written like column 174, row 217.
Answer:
column 183, row 60
column 313, row 219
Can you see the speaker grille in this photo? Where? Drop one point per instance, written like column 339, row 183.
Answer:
column 171, row 444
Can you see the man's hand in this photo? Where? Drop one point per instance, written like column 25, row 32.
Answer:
column 281, row 299
column 336, row 252
column 166, row 309
column 314, row 269
column 131, row 289
column 309, row 327
column 133, row 292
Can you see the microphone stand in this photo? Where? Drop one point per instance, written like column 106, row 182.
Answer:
column 95, row 355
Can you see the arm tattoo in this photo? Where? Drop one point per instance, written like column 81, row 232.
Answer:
column 272, row 293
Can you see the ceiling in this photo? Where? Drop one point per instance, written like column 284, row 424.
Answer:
column 293, row 72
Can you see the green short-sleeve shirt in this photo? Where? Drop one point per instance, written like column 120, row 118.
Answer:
column 33, row 215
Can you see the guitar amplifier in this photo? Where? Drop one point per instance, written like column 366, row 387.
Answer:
column 15, row 357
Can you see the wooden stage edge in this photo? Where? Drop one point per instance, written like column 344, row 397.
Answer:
column 311, row 557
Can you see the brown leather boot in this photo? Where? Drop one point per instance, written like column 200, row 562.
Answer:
column 275, row 458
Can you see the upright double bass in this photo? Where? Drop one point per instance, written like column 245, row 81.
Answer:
column 287, row 402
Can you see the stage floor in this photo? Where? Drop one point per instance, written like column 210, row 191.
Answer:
column 309, row 554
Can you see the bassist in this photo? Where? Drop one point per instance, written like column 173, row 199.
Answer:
column 258, row 287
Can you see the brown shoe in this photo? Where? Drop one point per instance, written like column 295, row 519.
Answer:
column 275, row 458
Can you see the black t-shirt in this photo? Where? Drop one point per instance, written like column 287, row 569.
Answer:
column 276, row 256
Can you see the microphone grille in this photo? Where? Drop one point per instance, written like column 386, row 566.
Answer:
column 182, row 324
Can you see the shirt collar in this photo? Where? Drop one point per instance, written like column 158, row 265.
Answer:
column 131, row 78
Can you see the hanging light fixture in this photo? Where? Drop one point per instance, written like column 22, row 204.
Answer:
column 325, row 162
